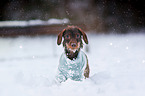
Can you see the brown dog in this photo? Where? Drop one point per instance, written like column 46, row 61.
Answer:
column 73, row 62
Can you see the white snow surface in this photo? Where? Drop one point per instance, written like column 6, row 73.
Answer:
column 33, row 22
column 117, row 62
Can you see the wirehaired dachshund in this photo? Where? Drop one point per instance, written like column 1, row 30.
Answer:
column 73, row 62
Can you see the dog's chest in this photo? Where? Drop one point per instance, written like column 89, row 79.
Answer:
column 72, row 66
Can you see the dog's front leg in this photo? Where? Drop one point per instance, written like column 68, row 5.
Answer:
column 87, row 71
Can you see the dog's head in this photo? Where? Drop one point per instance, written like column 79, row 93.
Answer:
column 73, row 36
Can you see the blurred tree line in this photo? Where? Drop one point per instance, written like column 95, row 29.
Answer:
column 99, row 15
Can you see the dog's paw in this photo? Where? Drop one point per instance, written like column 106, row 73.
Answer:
column 86, row 73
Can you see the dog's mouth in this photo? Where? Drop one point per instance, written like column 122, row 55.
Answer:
column 73, row 47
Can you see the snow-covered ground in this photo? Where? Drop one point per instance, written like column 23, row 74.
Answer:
column 33, row 22
column 117, row 62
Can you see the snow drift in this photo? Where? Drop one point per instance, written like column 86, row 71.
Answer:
column 33, row 22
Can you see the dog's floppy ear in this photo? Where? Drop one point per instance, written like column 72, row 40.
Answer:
column 84, row 35
column 59, row 38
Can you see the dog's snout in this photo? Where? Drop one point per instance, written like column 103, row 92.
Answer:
column 73, row 44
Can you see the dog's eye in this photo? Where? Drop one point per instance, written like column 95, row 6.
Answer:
column 77, row 35
column 67, row 36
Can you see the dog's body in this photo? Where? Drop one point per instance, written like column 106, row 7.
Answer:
column 73, row 62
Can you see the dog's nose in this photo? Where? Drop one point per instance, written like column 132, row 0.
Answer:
column 73, row 44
